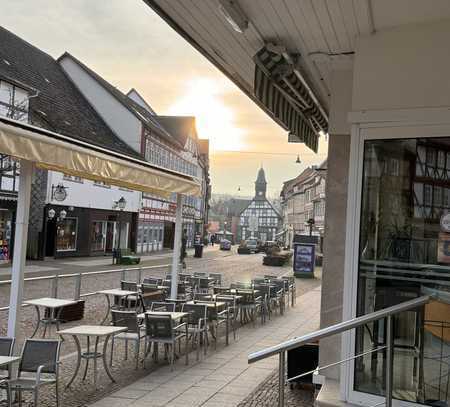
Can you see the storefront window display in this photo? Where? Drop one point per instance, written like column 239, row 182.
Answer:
column 5, row 234
column 66, row 235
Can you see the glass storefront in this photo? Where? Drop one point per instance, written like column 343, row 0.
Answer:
column 105, row 235
column 404, row 252
column 5, row 234
column 66, row 235
column 150, row 236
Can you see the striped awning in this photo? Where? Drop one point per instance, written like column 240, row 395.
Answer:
column 282, row 90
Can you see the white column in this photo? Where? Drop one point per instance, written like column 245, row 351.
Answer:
column 177, row 246
column 20, row 247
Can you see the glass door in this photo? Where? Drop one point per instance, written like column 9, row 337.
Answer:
column 403, row 253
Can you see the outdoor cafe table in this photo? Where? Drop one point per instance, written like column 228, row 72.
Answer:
column 91, row 331
column 176, row 316
column 6, row 363
column 54, row 307
column 116, row 293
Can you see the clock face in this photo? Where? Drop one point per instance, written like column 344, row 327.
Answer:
column 260, row 193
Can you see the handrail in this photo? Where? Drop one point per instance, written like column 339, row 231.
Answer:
column 338, row 328
column 387, row 313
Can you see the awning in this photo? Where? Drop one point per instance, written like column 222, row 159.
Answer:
column 53, row 151
column 280, row 87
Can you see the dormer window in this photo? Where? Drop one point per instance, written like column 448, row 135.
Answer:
column 13, row 101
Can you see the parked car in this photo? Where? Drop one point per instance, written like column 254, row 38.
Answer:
column 225, row 244
column 267, row 245
column 253, row 245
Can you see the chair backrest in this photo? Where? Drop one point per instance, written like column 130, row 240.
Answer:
column 148, row 288
column 127, row 319
column 263, row 288
column 217, row 278
column 204, row 283
column 128, row 285
column 40, row 352
column 153, row 280
column 158, row 327
column 200, row 274
column 259, row 280
column 199, row 297
column 6, row 346
column 184, row 276
column 196, row 311
column 162, row 306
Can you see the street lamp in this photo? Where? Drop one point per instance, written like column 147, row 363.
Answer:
column 120, row 205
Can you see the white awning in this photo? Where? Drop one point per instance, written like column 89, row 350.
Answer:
column 53, row 151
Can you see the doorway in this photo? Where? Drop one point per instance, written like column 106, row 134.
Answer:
column 169, row 234
column 50, row 238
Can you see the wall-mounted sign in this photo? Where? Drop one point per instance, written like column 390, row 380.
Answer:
column 59, row 192
column 304, row 259
column 445, row 223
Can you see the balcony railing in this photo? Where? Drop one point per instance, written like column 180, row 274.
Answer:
column 295, row 343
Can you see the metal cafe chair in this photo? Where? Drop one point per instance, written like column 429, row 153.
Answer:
column 41, row 358
column 217, row 278
column 6, row 349
column 216, row 318
column 134, row 332
column 160, row 329
column 157, row 281
column 162, row 306
column 197, row 324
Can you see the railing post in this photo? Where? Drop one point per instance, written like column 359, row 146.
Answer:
column 77, row 287
column 55, row 286
column 281, row 379
column 139, row 275
column 389, row 359
column 123, row 275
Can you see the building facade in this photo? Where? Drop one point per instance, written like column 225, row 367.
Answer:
column 303, row 204
column 34, row 89
column 169, row 142
column 259, row 219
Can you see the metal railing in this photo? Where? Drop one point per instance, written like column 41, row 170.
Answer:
column 54, row 278
column 387, row 313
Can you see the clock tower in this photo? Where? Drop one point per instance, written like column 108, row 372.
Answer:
column 260, row 185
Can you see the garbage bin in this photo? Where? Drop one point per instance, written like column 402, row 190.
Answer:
column 198, row 250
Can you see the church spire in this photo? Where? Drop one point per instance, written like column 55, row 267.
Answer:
column 261, row 184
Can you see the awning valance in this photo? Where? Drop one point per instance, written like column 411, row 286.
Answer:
column 53, row 151
column 282, row 90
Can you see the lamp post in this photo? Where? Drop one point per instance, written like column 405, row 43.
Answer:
column 120, row 205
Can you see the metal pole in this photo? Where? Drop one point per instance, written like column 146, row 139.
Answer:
column 176, row 247
column 20, row 247
column 55, row 286
column 281, row 379
column 139, row 276
column 389, row 359
column 77, row 287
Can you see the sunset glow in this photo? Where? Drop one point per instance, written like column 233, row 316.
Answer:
column 215, row 121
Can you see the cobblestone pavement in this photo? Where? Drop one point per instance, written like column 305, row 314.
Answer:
column 266, row 395
column 81, row 393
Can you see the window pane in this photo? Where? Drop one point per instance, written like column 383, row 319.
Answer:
column 66, row 237
column 404, row 253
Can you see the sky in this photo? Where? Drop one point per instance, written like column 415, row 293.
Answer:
column 132, row 47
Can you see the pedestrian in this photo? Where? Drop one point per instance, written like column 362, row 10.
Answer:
column 213, row 239
column 183, row 248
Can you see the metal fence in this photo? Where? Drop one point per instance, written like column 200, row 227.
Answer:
column 78, row 282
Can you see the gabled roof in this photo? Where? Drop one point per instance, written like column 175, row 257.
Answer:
column 146, row 117
column 180, row 127
column 55, row 103
column 133, row 94
column 288, row 185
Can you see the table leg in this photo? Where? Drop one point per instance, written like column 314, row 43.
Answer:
column 77, row 367
column 227, row 328
column 95, row 360
column 88, row 351
column 105, row 364
column 38, row 312
column 108, row 308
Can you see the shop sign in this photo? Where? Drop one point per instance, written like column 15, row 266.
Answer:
column 304, row 259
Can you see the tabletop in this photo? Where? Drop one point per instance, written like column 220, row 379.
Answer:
column 209, row 304
column 50, row 302
column 7, row 360
column 174, row 315
column 117, row 292
column 92, row 330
